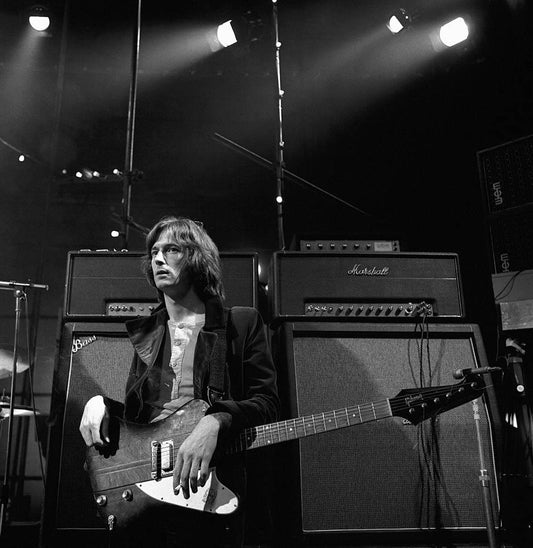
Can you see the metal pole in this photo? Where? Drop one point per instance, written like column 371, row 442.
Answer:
column 280, row 144
column 128, row 162
column 484, row 479
column 4, row 500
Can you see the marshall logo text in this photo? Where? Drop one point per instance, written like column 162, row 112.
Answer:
column 359, row 270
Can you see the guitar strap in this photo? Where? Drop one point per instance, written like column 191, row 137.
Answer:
column 216, row 387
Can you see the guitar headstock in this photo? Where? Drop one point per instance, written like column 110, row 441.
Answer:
column 418, row 404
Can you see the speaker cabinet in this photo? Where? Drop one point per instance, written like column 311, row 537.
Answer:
column 385, row 476
column 93, row 358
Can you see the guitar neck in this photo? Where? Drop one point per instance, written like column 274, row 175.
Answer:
column 301, row 427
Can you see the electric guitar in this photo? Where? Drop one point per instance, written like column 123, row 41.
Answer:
column 134, row 473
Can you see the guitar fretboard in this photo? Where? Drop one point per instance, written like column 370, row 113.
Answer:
column 292, row 429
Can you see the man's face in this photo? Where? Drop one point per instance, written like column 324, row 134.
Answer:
column 169, row 266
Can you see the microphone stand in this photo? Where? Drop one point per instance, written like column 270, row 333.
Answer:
column 20, row 295
column 279, row 166
column 485, row 480
column 286, row 173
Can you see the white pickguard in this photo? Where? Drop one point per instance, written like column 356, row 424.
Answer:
column 213, row 497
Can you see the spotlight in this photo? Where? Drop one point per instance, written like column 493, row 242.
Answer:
column 22, row 158
column 247, row 28
column 226, row 35
column 454, row 32
column 39, row 18
column 399, row 21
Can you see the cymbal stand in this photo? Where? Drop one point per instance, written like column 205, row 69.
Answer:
column 20, row 296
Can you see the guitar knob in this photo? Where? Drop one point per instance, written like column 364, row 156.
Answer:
column 127, row 495
column 101, row 500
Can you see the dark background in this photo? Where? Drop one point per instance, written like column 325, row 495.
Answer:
column 387, row 123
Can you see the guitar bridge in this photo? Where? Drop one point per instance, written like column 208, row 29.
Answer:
column 162, row 458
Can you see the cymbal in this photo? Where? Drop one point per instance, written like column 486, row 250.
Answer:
column 18, row 410
column 6, row 364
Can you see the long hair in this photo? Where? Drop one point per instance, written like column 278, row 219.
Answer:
column 201, row 256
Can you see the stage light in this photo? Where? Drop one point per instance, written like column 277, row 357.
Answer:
column 39, row 18
column 226, row 35
column 22, row 158
column 454, row 32
column 399, row 21
column 247, row 28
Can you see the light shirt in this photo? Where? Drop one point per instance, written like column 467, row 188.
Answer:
column 177, row 382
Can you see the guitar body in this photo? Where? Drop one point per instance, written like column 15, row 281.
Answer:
column 133, row 475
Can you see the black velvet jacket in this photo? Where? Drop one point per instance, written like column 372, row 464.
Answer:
column 250, row 390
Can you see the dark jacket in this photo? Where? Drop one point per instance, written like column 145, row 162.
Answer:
column 250, row 390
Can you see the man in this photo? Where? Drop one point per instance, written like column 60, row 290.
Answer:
column 192, row 347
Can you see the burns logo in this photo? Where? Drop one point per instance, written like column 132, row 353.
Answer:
column 78, row 344
column 360, row 270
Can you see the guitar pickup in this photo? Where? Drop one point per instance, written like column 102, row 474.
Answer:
column 162, row 458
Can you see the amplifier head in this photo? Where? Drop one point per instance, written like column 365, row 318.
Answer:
column 387, row 286
column 111, row 284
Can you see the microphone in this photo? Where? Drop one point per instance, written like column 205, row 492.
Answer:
column 461, row 373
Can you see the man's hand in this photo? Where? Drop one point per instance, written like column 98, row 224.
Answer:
column 194, row 456
column 94, row 424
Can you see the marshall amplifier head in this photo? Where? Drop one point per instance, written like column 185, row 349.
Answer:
column 388, row 286
column 111, row 284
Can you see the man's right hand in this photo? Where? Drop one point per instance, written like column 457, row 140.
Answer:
column 94, row 424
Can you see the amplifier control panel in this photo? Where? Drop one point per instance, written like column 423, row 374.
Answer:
column 130, row 308
column 368, row 309
column 350, row 246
